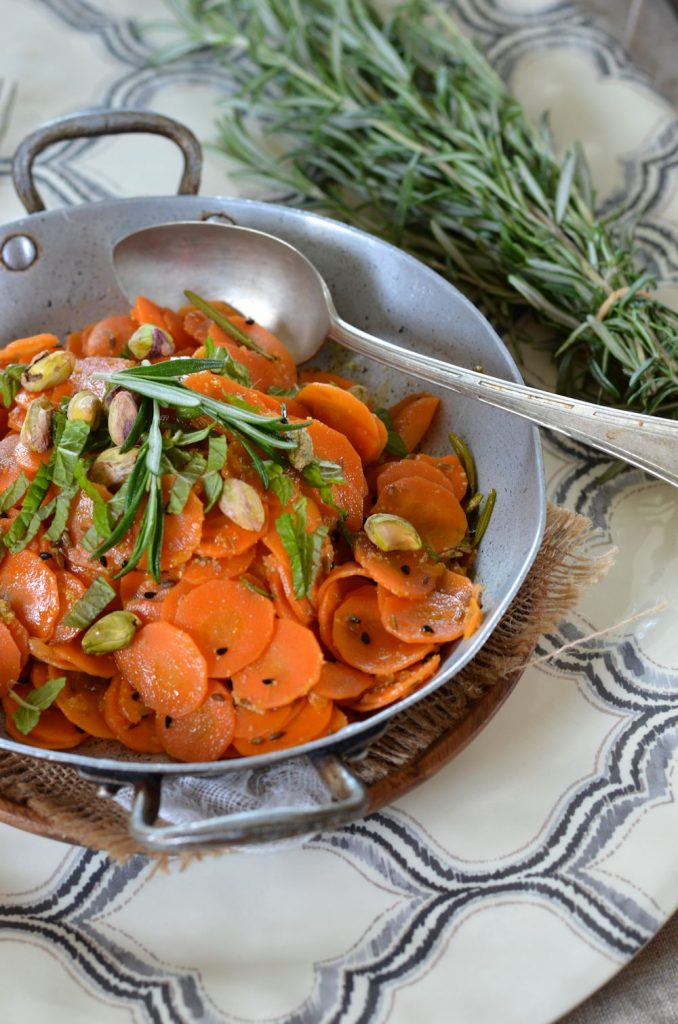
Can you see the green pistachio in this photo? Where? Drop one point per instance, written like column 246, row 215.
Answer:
column 46, row 371
column 392, row 533
column 36, row 429
column 241, row 503
column 303, row 454
column 150, row 342
column 111, row 633
column 84, row 405
column 122, row 413
column 112, row 467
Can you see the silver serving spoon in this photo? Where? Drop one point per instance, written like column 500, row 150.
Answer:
column 274, row 283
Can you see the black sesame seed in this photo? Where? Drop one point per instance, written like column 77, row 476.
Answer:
column 104, row 561
column 46, row 555
column 150, row 594
column 250, row 320
column 427, row 629
column 135, row 695
column 221, row 650
column 168, row 721
column 4, row 515
column 405, row 570
column 365, row 637
column 268, row 682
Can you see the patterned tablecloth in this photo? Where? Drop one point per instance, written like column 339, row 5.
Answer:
column 530, row 870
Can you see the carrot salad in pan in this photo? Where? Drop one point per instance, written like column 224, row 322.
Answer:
column 207, row 553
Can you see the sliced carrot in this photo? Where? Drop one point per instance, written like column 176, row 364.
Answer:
column 362, row 642
column 10, row 660
column 388, row 691
column 74, row 343
column 340, row 582
column 81, row 701
column 53, row 731
column 71, row 590
column 215, row 385
column 170, row 604
column 130, row 702
column 145, row 311
column 339, row 720
column 71, row 652
column 308, row 724
column 410, row 574
column 18, row 631
column 222, row 538
column 341, row 682
column 30, row 588
column 144, row 609
column 140, row 736
column 412, row 417
column 9, row 467
column 251, row 724
column 79, row 522
column 206, row 733
column 29, row 461
column 412, row 467
column 311, row 375
column 450, row 466
column 441, row 616
column 24, row 349
column 288, row 668
column 108, row 337
column 434, row 511
column 343, row 412
column 230, row 624
column 182, row 531
column 164, row 664
column 200, row 569
column 332, row 445
column 274, row 586
column 279, row 372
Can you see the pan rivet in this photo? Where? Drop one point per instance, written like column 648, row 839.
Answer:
column 19, row 252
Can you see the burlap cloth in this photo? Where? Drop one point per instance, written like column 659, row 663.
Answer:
column 54, row 800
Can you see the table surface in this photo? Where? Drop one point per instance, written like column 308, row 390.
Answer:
column 526, row 874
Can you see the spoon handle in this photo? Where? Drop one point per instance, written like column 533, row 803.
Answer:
column 645, row 441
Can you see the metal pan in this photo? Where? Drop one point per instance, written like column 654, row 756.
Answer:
column 56, row 274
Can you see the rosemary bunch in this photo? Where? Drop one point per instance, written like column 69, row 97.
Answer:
column 396, row 123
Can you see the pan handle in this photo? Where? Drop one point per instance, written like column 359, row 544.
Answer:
column 348, row 801
column 90, row 124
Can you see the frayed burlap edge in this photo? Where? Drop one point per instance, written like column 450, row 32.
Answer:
column 52, row 799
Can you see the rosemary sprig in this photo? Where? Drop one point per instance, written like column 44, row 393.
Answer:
column 396, row 123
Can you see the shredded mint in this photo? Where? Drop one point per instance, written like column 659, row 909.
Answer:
column 27, row 715
column 187, row 469
column 99, row 504
column 279, row 482
column 10, row 382
column 15, row 539
column 303, row 548
column 253, row 587
column 212, row 481
column 67, row 450
column 14, row 492
column 230, row 367
column 98, row 596
column 394, row 442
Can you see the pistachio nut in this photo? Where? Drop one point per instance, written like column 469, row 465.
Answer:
column 304, row 453
column 392, row 533
column 48, row 370
column 150, row 342
column 360, row 392
column 241, row 503
column 112, row 467
column 36, row 429
column 122, row 413
column 111, row 633
column 112, row 391
column 85, row 406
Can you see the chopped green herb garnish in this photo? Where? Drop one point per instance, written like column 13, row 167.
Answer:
column 468, row 462
column 14, row 492
column 394, row 442
column 303, row 549
column 187, row 469
column 10, row 382
column 484, row 516
column 98, row 596
column 254, row 587
column 212, row 481
column 71, row 442
column 27, row 715
column 221, row 320
column 280, row 483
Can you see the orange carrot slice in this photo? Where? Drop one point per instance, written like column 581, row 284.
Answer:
column 450, row 466
column 343, row 412
column 222, row 538
column 24, row 349
column 71, row 590
column 182, row 531
column 81, row 701
column 434, row 511
column 389, row 690
column 200, row 569
column 251, row 724
column 441, row 616
column 231, row 624
column 164, row 664
column 334, row 446
column 311, row 375
column 308, row 724
column 410, row 574
column 70, row 655
column 18, row 631
column 341, row 682
column 340, row 582
column 10, row 660
column 412, row 467
column 140, row 736
column 108, row 337
column 203, row 735
column 288, row 668
column 362, row 642
column 30, row 588
column 412, row 417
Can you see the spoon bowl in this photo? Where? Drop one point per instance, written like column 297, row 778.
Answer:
column 272, row 282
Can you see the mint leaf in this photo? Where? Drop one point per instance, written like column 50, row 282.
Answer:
column 303, row 549
column 16, row 490
column 278, row 481
column 71, row 443
column 27, row 715
column 216, row 459
column 394, row 442
column 187, row 469
column 10, row 382
column 98, row 596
